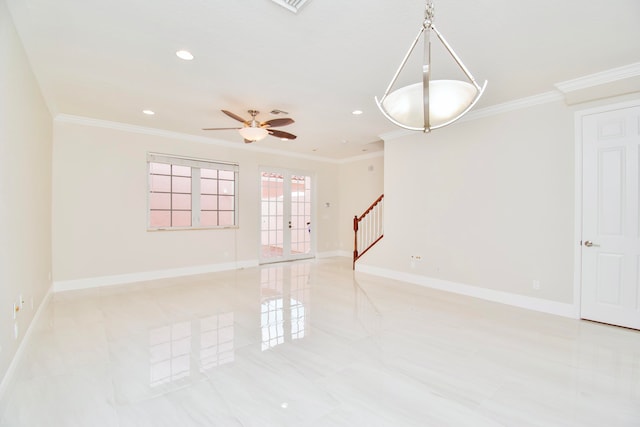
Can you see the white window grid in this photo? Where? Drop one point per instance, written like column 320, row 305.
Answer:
column 226, row 173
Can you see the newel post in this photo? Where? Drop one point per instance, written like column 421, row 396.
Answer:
column 355, row 240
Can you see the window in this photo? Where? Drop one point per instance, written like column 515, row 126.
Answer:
column 191, row 193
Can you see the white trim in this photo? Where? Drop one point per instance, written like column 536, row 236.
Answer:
column 333, row 254
column 362, row 157
column 577, row 209
column 536, row 304
column 119, row 279
column 494, row 110
column 518, row 104
column 8, row 378
column 608, row 76
column 604, row 77
column 577, row 252
column 89, row 121
column 395, row 134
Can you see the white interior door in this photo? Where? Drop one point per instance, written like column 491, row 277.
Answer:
column 610, row 229
column 286, row 224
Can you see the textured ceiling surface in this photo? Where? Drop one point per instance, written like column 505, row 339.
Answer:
column 110, row 60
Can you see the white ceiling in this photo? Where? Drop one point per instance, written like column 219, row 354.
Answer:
column 111, row 59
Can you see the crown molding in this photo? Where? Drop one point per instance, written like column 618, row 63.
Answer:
column 612, row 75
column 125, row 127
column 518, row 104
column 591, row 80
column 604, row 77
column 362, row 157
column 494, row 110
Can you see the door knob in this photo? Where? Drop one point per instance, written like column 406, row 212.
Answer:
column 589, row 243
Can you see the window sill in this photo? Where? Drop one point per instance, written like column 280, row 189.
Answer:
column 228, row 227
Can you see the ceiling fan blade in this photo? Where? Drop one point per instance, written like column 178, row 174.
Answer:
column 277, row 122
column 235, row 116
column 219, row 128
column 247, row 141
column 281, row 134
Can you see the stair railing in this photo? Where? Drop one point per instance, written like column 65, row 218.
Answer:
column 368, row 229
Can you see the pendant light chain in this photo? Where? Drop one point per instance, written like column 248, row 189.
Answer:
column 428, row 14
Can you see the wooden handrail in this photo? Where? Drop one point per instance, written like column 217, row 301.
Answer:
column 370, row 208
column 374, row 232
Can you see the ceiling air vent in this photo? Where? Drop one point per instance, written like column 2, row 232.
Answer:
column 291, row 5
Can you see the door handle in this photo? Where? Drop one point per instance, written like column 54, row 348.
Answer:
column 589, row 243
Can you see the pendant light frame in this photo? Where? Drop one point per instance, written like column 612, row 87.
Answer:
column 425, row 31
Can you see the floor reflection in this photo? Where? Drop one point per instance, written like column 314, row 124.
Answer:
column 173, row 348
column 170, row 353
column 367, row 313
column 181, row 351
column 284, row 308
column 248, row 348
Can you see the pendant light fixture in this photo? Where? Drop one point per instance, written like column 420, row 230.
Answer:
column 430, row 104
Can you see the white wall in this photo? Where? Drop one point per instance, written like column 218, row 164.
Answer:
column 361, row 183
column 487, row 203
column 25, row 190
column 100, row 204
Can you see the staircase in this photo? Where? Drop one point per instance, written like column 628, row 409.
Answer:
column 368, row 229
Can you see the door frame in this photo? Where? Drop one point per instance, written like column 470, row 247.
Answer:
column 618, row 104
column 275, row 169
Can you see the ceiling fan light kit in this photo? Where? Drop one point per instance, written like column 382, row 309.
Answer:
column 253, row 130
column 253, row 134
column 430, row 104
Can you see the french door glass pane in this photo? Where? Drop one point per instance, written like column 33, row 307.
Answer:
column 286, row 216
column 300, row 214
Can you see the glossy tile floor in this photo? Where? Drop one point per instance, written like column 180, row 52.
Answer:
column 309, row 344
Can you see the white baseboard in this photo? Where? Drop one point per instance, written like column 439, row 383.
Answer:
column 530, row 303
column 332, row 254
column 9, row 376
column 119, row 279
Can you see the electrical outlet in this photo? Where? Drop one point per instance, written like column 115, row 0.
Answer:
column 536, row 285
column 414, row 259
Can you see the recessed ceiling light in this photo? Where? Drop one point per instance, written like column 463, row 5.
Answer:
column 148, row 112
column 356, row 112
column 184, row 54
column 284, row 139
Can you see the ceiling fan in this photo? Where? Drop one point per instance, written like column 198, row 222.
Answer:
column 253, row 130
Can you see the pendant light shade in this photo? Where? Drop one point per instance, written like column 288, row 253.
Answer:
column 430, row 104
column 447, row 99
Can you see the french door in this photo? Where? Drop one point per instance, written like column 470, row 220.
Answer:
column 610, row 217
column 286, row 226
